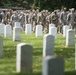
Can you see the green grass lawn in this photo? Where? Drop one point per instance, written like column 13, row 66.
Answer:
column 8, row 61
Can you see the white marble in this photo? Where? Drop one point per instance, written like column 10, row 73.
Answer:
column 17, row 24
column 53, row 31
column 24, row 57
column 53, row 65
column 39, row 30
column 7, row 31
column 1, row 46
column 28, row 29
column 65, row 28
column 2, row 28
column 48, row 45
column 16, row 34
column 70, row 38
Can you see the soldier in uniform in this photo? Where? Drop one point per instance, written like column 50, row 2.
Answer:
column 39, row 18
column 26, row 16
column 14, row 18
column 44, row 19
column 22, row 20
column 55, row 19
column 72, row 19
column 48, row 21
column 34, row 19
column 63, row 18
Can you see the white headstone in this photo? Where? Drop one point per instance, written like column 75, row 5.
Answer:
column 48, row 45
column 7, row 31
column 53, row 31
column 28, row 29
column 1, row 46
column 75, row 56
column 38, row 30
column 2, row 28
column 65, row 28
column 24, row 57
column 75, row 31
column 53, row 66
column 17, row 24
column 70, row 38
column 16, row 34
column 51, row 25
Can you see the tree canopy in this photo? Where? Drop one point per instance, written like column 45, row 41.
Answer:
column 39, row 4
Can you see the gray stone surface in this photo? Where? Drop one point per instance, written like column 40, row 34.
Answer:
column 28, row 29
column 7, row 31
column 70, row 38
column 16, row 34
column 65, row 28
column 1, row 46
column 75, row 56
column 53, row 31
column 53, row 66
column 48, row 45
column 24, row 57
column 2, row 28
column 17, row 24
column 75, row 31
column 51, row 25
column 38, row 30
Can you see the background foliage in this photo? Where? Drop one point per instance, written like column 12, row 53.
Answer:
column 40, row 4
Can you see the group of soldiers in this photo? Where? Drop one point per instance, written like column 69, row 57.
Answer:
column 35, row 17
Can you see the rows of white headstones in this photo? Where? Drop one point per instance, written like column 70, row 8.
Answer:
column 52, row 65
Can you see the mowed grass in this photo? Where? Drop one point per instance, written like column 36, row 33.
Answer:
column 8, row 61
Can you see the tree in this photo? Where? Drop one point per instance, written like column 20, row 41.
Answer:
column 39, row 4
